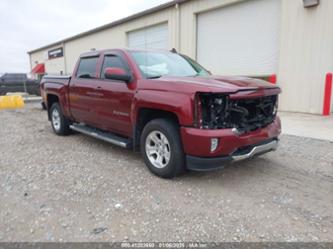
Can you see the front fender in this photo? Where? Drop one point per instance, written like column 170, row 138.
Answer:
column 178, row 103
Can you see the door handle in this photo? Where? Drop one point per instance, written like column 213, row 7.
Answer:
column 99, row 88
column 94, row 94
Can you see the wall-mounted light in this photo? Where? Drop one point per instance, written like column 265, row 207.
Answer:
column 310, row 3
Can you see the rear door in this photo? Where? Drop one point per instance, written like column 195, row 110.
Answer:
column 83, row 93
column 114, row 106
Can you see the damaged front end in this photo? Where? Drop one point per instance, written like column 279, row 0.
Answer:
column 219, row 111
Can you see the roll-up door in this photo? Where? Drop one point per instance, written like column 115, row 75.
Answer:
column 240, row 39
column 153, row 37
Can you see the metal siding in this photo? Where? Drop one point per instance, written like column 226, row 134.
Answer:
column 306, row 55
column 53, row 66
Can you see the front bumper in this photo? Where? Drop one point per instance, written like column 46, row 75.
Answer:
column 231, row 146
column 210, row 163
column 197, row 142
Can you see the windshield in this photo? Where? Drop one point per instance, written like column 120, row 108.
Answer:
column 156, row 64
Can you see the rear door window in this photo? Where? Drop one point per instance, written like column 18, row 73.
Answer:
column 87, row 67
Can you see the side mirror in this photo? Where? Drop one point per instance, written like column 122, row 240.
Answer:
column 115, row 73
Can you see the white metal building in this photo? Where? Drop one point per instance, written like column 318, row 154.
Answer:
column 233, row 37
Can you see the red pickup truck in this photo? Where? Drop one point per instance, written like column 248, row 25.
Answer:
column 166, row 105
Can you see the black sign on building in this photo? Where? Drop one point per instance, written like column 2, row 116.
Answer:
column 310, row 3
column 55, row 53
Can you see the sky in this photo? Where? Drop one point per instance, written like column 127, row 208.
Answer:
column 29, row 24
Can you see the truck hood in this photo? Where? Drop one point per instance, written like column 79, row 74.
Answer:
column 225, row 84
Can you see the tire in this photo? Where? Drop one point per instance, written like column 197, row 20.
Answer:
column 59, row 122
column 171, row 161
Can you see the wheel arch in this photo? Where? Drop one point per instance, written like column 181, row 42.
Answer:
column 145, row 115
column 50, row 100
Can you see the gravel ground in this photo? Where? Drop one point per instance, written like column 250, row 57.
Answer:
column 76, row 188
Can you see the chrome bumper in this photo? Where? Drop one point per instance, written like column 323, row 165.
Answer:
column 271, row 146
column 210, row 163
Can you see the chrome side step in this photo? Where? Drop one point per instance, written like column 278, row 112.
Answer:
column 102, row 135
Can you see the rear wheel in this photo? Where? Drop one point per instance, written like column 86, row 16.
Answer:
column 60, row 123
column 161, row 148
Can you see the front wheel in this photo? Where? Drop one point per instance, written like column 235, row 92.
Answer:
column 161, row 148
column 60, row 123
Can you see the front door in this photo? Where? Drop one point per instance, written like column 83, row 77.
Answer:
column 114, row 108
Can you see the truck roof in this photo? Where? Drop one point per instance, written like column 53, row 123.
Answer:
column 98, row 52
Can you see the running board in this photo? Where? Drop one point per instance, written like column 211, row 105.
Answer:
column 102, row 135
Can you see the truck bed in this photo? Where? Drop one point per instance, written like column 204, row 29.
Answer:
column 63, row 79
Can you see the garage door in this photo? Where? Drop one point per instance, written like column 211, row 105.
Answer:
column 154, row 37
column 240, row 39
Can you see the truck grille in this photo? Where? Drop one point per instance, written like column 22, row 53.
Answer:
column 220, row 112
column 251, row 114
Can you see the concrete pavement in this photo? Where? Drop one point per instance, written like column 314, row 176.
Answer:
column 307, row 125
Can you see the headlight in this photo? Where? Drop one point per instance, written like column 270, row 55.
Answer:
column 211, row 110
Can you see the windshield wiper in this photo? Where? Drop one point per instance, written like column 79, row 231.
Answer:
column 194, row 75
column 154, row 77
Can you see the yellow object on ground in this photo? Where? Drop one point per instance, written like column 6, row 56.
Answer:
column 11, row 102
